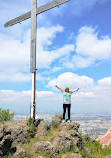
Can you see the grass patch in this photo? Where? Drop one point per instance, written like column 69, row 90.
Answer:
column 49, row 136
column 94, row 147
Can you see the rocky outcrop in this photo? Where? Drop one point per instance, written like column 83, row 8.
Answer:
column 17, row 130
column 43, row 146
column 51, row 139
column 64, row 139
column 5, row 144
column 42, row 129
column 57, row 119
column 67, row 137
column 16, row 133
column 69, row 126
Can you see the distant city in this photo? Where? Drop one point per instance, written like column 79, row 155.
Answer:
column 95, row 125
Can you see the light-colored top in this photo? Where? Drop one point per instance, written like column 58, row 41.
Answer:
column 67, row 98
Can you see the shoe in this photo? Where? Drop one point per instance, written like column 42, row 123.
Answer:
column 68, row 121
column 63, row 121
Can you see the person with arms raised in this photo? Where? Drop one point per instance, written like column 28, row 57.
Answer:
column 66, row 101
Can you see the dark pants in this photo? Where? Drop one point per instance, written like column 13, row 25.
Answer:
column 68, row 106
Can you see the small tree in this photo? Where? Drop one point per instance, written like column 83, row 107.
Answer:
column 5, row 115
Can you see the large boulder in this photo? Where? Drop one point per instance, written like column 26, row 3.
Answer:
column 61, row 142
column 17, row 130
column 69, row 126
column 67, row 135
column 43, row 146
column 42, row 129
column 64, row 140
column 12, row 133
column 57, row 119
column 5, row 144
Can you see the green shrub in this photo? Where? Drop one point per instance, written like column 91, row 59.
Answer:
column 32, row 128
column 92, row 148
column 5, row 115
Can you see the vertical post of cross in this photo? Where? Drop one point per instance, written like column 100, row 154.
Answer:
column 33, row 56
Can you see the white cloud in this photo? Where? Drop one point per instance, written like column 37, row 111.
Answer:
column 91, row 98
column 105, row 82
column 46, row 35
column 45, row 39
column 89, row 49
column 88, row 44
column 72, row 80
column 81, row 62
column 45, row 58
column 19, row 102
column 15, row 54
column 55, row 69
column 15, row 77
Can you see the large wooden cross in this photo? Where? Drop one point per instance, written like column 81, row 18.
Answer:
column 33, row 15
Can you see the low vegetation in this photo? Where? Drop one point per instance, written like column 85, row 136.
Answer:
column 92, row 148
column 32, row 128
column 5, row 115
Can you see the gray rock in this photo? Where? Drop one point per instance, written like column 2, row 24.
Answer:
column 1, row 131
column 19, row 152
column 44, row 146
column 62, row 141
column 15, row 132
column 69, row 126
column 5, row 144
column 108, row 156
column 76, row 141
column 57, row 120
column 42, row 129
column 67, row 136
column 76, row 150
column 73, row 155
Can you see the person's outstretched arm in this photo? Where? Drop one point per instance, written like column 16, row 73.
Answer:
column 74, row 90
column 59, row 88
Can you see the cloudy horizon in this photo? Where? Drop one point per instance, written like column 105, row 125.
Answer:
column 73, row 49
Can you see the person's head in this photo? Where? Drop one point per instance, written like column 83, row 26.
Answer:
column 67, row 89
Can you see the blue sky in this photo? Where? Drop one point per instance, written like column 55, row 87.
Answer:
column 73, row 49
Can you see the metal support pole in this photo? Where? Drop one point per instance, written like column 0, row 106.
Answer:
column 33, row 56
column 33, row 99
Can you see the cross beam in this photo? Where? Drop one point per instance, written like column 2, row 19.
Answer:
column 39, row 10
column 33, row 15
